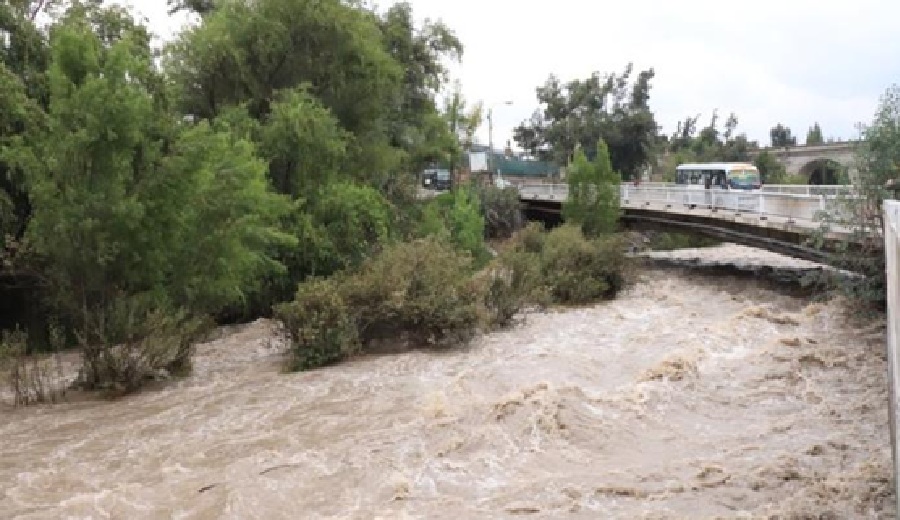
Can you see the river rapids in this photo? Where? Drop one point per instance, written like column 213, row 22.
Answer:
column 689, row 396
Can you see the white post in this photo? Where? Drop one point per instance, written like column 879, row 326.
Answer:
column 892, row 270
column 762, row 206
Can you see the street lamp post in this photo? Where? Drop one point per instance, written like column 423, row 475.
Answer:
column 490, row 118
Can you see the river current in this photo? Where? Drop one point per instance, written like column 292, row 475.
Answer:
column 689, row 396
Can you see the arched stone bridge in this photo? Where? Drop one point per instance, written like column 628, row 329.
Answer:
column 812, row 161
column 777, row 218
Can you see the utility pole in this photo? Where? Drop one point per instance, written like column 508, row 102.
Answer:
column 490, row 158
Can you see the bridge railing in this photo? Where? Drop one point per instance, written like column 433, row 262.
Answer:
column 892, row 256
column 835, row 189
column 765, row 204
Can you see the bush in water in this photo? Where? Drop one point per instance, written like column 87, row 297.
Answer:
column 419, row 292
column 578, row 270
column 320, row 325
column 560, row 267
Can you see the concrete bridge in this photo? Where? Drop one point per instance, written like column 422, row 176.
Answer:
column 812, row 161
column 778, row 218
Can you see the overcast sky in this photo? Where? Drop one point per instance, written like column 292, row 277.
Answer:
column 769, row 61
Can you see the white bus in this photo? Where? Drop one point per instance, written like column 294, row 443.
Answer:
column 735, row 176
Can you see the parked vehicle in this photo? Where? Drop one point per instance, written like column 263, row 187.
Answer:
column 436, row 179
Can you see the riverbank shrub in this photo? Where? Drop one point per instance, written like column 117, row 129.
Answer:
column 501, row 210
column 319, row 323
column 538, row 268
column 673, row 241
column 33, row 378
column 420, row 290
column 418, row 293
column 577, row 270
column 353, row 221
column 133, row 339
column 456, row 217
column 511, row 283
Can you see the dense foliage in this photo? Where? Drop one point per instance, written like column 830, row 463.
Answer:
column 275, row 140
column 580, row 113
column 593, row 201
column 419, row 292
column 877, row 163
column 429, row 293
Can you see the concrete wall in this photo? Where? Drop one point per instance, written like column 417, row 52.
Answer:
column 892, row 252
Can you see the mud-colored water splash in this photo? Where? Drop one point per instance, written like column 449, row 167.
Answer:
column 688, row 397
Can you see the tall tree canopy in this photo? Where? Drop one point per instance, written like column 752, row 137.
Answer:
column 709, row 144
column 377, row 75
column 582, row 112
column 126, row 199
column 781, row 137
column 814, row 135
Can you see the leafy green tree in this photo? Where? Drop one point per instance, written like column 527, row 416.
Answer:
column 711, row 145
column 201, row 7
column 127, row 201
column 878, row 157
column 416, row 124
column 462, row 122
column 593, row 200
column 246, row 52
column 455, row 217
column 355, row 219
column 466, row 224
column 24, row 56
column 770, row 169
column 305, row 144
column 814, row 135
column 581, row 112
column 781, row 137
column 377, row 75
column 230, row 218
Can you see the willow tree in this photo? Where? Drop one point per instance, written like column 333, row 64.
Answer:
column 128, row 200
column 377, row 75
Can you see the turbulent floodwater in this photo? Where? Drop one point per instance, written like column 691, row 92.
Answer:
column 687, row 397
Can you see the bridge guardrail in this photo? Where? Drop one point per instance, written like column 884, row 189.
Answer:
column 790, row 206
column 807, row 190
column 892, row 255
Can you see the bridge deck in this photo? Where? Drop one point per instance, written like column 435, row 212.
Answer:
column 776, row 222
column 795, row 210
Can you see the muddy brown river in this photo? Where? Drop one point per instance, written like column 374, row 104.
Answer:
column 689, row 396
